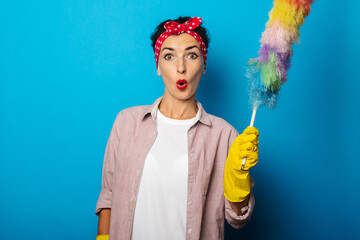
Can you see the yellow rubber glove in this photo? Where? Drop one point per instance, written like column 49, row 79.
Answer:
column 102, row 237
column 237, row 181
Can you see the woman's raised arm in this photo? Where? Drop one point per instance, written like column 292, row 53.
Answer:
column 104, row 221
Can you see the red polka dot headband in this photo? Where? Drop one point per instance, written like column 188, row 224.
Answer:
column 176, row 28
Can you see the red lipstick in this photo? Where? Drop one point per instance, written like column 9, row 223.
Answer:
column 181, row 84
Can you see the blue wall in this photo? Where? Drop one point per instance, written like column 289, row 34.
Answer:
column 68, row 67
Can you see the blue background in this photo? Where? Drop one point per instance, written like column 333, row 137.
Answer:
column 68, row 67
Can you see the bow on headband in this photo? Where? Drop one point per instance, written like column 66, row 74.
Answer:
column 177, row 28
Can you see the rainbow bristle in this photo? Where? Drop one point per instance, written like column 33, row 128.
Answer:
column 268, row 71
column 259, row 94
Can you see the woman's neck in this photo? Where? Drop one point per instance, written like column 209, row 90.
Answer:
column 177, row 108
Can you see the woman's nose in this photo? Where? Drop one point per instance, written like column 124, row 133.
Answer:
column 181, row 66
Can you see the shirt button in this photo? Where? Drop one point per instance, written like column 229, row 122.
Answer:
column 191, row 135
column 189, row 230
column 192, row 154
column 189, row 202
column 191, row 177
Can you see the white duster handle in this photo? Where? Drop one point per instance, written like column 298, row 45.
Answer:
column 251, row 125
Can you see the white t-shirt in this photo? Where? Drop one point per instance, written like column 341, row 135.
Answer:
column 160, row 211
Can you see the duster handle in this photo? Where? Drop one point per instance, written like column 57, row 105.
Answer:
column 251, row 125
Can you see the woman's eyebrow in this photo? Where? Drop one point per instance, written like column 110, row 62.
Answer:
column 188, row 48
column 171, row 49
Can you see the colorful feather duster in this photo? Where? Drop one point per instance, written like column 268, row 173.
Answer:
column 268, row 71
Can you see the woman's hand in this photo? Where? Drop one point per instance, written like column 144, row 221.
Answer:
column 102, row 237
column 246, row 146
column 236, row 180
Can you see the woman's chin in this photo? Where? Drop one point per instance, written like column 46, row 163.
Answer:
column 185, row 95
column 182, row 95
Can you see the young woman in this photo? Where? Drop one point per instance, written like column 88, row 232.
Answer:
column 171, row 170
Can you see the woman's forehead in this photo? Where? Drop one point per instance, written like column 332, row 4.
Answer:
column 179, row 42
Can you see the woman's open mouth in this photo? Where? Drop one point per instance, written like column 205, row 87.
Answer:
column 181, row 84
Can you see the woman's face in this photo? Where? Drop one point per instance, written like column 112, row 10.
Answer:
column 180, row 59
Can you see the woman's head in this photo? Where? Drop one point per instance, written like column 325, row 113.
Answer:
column 180, row 56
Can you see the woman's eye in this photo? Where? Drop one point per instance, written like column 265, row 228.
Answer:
column 193, row 55
column 167, row 56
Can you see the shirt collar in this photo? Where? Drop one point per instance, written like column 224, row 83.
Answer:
column 152, row 109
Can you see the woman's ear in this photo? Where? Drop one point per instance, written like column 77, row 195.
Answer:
column 204, row 71
column 158, row 71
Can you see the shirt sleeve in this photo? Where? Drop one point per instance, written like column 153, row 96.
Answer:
column 238, row 221
column 105, row 197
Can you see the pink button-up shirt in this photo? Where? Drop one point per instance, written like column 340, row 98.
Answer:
column 209, row 140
